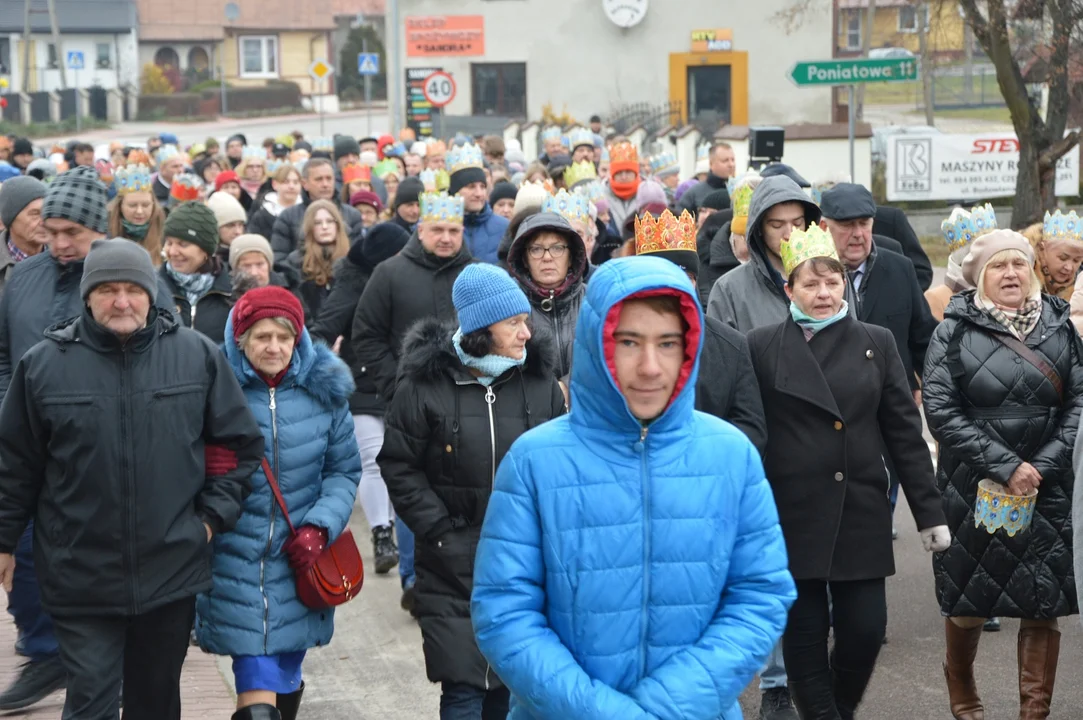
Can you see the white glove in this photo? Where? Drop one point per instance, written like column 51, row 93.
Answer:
column 936, row 539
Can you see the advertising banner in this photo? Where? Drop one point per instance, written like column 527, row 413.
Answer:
column 963, row 167
column 445, row 36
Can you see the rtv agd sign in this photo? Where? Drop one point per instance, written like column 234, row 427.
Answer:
column 963, row 167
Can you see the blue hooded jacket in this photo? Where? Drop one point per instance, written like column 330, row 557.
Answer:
column 628, row 571
column 318, row 469
column 482, row 233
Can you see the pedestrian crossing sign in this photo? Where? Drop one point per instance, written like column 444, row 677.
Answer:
column 368, row 64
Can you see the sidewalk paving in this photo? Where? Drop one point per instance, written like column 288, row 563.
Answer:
column 204, row 692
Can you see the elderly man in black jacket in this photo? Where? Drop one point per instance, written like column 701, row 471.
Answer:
column 318, row 183
column 102, row 434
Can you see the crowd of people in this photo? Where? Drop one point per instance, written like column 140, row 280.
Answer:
column 630, row 439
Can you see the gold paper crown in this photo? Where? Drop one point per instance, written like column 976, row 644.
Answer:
column 579, row 172
column 666, row 232
column 742, row 199
column 623, row 152
column 804, row 245
column 440, row 207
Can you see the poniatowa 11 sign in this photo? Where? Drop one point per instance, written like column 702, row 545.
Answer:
column 854, row 71
column 963, row 167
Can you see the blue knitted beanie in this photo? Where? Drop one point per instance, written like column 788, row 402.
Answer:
column 484, row 295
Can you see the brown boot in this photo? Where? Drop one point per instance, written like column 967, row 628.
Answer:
column 1039, row 648
column 962, row 648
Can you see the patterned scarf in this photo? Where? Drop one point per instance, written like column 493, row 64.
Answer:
column 133, row 231
column 1019, row 323
column 195, row 286
column 491, row 366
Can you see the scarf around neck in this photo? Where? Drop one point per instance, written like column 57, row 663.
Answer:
column 1019, row 323
column 491, row 366
column 194, row 286
column 135, row 232
column 811, row 324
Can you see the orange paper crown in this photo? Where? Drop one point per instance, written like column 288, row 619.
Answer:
column 139, row 157
column 666, row 232
column 623, row 152
column 186, row 187
column 353, row 172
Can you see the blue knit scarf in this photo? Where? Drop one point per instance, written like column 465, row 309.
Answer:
column 195, row 285
column 813, row 325
column 491, row 366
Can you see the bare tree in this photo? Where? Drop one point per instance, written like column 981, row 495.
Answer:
column 866, row 45
column 791, row 17
column 1042, row 141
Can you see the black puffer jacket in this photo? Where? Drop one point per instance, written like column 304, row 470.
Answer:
column 409, row 287
column 286, row 235
column 102, row 444
column 990, row 409
column 556, row 310
column 446, row 435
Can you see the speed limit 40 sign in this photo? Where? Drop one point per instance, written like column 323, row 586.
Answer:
column 439, row 89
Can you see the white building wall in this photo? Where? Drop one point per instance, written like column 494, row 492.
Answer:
column 576, row 57
column 121, row 57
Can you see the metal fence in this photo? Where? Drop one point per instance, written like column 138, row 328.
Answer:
column 652, row 117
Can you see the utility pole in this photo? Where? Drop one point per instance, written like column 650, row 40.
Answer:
column 26, row 49
column 61, row 60
column 866, row 45
column 926, row 63
column 394, row 65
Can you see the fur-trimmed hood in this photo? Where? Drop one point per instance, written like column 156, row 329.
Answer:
column 314, row 369
column 428, row 355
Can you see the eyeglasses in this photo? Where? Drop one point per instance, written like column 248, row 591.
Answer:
column 555, row 251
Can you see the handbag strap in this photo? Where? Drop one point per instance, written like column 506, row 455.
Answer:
column 273, row 482
column 1034, row 359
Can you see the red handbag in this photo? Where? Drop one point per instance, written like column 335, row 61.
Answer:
column 338, row 573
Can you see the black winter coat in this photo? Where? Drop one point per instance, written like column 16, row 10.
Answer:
column 892, row 222
column 833, row 403
column 312, row 295
column 727, row 387
column 409, row 287
column 990, row 410
column 336, row 319
column 210, row 313
column 716, row 256
column 286, row 235
column 557, row 311
column 446, row 435
column 101, row 443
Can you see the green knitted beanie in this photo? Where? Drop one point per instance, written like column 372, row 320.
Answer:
column 193, row 222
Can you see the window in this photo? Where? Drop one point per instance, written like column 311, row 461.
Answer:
column 105, row 59
column 259, row 56
column 5, row 56
column 850, row 20
column 499, row 89
column 51, row 62
column 908, row 19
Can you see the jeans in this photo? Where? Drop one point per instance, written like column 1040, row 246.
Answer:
column 773, row 674
column 36, row 638
column 466, row 702
column 406, row 553
column 824, row 686
column 145, row 652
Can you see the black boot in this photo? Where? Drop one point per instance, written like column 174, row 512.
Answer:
column 813, row 701
column 383, row 546
column 37, row 680
column 289, row 704
column 263, row 711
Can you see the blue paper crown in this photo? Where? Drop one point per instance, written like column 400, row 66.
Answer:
column 664, row 164
column 572, row 206
column 467, row 156
column 273, row 165
column 249, row 152
column 551, row 133
column 322, row 144
column 703, row 152
column 592, row 191
column 167, row 151
column 132, row 179
column 580, row 136
column 962, row 227
column 441, row 207
column 1060, row 226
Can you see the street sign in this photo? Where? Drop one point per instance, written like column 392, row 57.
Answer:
column 854, row 71
column 75, row 60
column 320, row 70
column 368, row 64
column 439, row 89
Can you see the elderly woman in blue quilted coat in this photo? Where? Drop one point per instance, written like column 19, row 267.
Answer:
column 631, row 563
column 299, row 393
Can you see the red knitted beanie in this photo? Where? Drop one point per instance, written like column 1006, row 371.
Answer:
column 267, row 302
